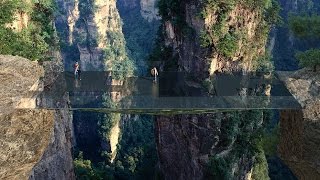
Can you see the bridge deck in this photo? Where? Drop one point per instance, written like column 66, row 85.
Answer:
column 174, row 91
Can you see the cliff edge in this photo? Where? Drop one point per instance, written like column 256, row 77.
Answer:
column 34, row 143
column 25, row 133
column 300, row 129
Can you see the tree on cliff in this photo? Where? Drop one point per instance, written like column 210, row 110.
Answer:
column 307, row 27
column 29, row 38
column 309, row 58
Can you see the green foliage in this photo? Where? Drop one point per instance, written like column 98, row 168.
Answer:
column 305, row 26
column 264, row 64
column 260, row 167
column 122, row 69
column 86, row 7
column 205, row 39
column 173, row 11
column 33, row 41
column 7, row 10
column 270, row 141
column 107, row 123
column 271, row 14
column 170, row 9
column 222, row 8
column 224, row 38
column 208, row 84
column 137, row 155
column 228, row 45
column 220, row 168
column 241, row 133
column 117, row 57
column 139, row 36
column 84, row 169
column 309, row 58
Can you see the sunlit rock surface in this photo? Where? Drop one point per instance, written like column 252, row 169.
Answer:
column 300, row 129
column 34, row 144
column 25, row 134
column 18, row 76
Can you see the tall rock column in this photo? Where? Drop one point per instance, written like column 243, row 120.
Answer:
column 299, row 129
column 206, row 37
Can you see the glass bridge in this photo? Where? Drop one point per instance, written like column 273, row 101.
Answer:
column 174, row 92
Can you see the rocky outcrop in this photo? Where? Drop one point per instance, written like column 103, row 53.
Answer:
column 25, row 137
column 149, row 10
column 184, row 144
column 84, row 26
column 36, row 144
column 57, row 160
column 300, row 129
column 25, row 133
column 18, row 77
column 187, row 143
column 216, row 27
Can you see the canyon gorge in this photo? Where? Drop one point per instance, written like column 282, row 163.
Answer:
column 126, row 38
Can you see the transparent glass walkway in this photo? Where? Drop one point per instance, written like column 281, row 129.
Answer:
column 174, row 91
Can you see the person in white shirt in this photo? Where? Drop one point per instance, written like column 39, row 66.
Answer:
column 155, row 73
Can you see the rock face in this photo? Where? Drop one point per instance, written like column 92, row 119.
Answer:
column 57, row 161
column 84, row 27
column 185, row 143
column 149, row 10
column 25, row 133
column 25, row 137
column 36, row 144
column 186, row 41
column 18, row 77
column 299, row 132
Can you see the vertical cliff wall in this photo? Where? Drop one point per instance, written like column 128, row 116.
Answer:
column 97, row 133
column 57, row 161
column 140, row 27
column 205, row 37
column 213, row 146
column 148, row 8
column 25, row 133
column 299, row 130
column 46, row 143
column 35, row 144
column 213, row 36
column 91, row 33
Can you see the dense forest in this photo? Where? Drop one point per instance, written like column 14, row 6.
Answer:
column 32, row 39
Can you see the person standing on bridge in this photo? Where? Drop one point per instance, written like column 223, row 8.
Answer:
column 154, row 73
column 79, row 72
column 76, row 68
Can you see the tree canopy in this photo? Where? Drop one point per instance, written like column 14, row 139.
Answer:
column 32, row 41
column 309, row 58
column 305, row 26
